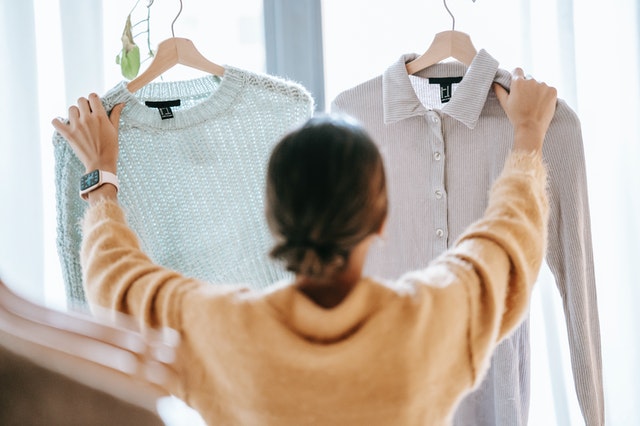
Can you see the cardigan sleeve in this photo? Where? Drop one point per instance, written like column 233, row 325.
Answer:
column 119, row 276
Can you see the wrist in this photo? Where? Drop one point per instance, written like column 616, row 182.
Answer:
column 107, row 167
column 530, row 129
column 528, row 138
column 104, row 192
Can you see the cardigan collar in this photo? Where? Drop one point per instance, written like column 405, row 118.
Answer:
column 400, row 100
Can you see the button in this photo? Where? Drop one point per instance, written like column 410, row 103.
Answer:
column 435, row 119
column 439, row 233
column 437, row 156
column 438, row 194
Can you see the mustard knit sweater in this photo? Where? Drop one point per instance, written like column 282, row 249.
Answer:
column 400, row 353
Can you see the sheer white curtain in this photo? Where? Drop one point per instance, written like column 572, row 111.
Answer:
column 21, row 215
column 590, row 52
column 608, row 81
column 41, row 54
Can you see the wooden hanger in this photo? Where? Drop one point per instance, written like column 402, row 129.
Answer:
column 171, row 52
column 446, row 44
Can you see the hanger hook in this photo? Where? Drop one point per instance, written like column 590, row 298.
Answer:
column 175, row 19
column 453, row 18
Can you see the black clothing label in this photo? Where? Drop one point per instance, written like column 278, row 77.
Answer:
column 164, row 107
column 445, row 86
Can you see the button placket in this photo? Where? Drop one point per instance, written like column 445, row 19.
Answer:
column 438, row 192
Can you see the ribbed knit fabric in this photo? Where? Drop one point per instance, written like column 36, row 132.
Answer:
column 441, row 159
column 192, row 185
column 401, row 353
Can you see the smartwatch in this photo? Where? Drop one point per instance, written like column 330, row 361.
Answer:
column 94, row 180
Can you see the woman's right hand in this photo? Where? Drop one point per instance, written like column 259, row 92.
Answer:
column 530, row 106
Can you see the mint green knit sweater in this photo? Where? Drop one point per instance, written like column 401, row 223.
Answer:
column 192, row 185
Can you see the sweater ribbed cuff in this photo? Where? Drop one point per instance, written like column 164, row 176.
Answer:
column 102, row 209
column 528, row 163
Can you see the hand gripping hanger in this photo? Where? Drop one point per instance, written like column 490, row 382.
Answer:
column 171, row 52
column 446, row 44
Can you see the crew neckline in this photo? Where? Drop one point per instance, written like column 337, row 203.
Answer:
column 218, row 95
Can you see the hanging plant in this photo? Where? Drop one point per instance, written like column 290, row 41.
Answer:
column 129, row 56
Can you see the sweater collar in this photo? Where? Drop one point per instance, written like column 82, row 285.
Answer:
column 400, row 100
column 202, row 98
column 318, row 324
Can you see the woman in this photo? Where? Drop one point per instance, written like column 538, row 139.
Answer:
column 332, row 347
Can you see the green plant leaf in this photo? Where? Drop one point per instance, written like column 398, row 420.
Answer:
column 129, row 58
column 130, row 63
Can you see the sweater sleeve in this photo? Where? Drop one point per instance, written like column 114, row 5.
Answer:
column 119, row 276
column 497, row 259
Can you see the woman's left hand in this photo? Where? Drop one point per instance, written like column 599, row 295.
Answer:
column 92, row 133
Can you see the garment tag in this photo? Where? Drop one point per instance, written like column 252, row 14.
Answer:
column 445, row 86
column 164, row 107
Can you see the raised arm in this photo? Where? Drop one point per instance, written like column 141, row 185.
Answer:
column 506, row 247
column 489, row 272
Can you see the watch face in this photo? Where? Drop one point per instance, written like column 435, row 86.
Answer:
column 89, row 180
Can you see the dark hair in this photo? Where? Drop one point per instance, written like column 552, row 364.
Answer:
column 326, row 192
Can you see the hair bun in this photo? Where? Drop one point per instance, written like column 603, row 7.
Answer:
column 320, row 248
column 309, row 257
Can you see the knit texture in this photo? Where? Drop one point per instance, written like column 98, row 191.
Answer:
column 192, row 185
column 441, row 159
column 401, row 353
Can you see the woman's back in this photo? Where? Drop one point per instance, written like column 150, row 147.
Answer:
column 369, row 361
